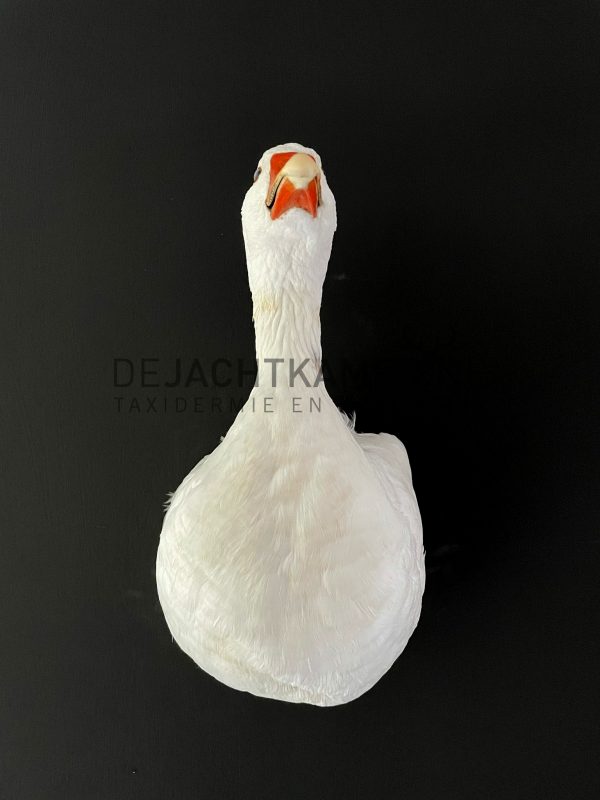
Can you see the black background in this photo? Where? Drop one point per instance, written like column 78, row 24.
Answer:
column 462, row 143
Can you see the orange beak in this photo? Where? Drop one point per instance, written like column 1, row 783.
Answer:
column 293, row 183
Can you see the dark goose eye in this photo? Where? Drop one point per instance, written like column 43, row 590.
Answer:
column 256, row 174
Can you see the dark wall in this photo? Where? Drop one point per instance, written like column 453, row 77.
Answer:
column 459, row 312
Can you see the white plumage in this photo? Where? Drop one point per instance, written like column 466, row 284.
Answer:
column 290, row 563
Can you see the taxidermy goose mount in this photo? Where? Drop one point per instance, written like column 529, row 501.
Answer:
column 291, row 563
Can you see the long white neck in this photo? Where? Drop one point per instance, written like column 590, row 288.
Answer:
column 287, row 328
column 286, row 297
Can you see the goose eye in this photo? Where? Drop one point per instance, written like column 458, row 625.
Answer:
column 256, row 174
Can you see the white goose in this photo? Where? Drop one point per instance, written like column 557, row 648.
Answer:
column 291, row 563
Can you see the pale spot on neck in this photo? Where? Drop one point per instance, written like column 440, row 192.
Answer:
column 265, row 304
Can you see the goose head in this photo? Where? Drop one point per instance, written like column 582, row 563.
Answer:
column 288, row 222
